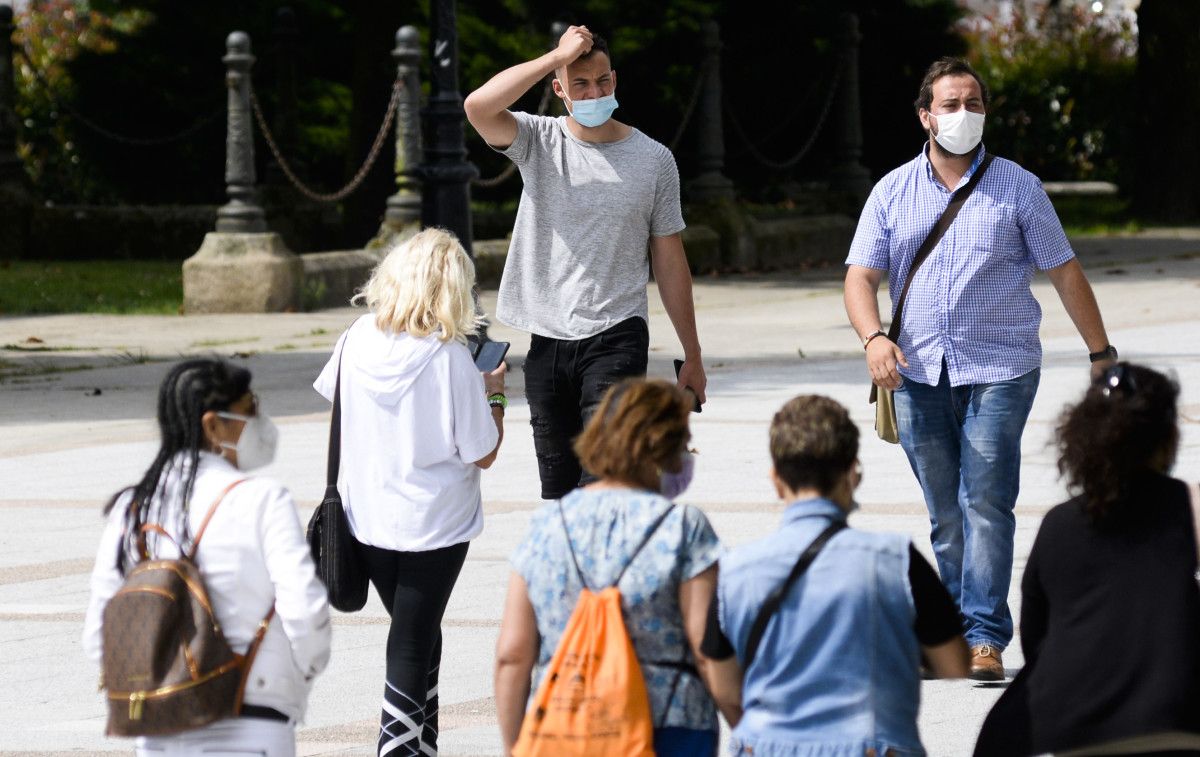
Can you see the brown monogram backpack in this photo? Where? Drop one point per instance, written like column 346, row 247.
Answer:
column 165, row 663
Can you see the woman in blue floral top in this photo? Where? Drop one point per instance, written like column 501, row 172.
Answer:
column 636, row 444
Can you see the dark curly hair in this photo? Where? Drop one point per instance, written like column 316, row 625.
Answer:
column 1126, row 424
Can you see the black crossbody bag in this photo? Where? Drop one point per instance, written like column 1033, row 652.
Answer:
column 334, row 549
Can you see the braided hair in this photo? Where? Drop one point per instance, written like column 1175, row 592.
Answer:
column 190, row 389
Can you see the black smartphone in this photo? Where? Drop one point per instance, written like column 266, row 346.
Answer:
column 490, row 355
column 696, row 408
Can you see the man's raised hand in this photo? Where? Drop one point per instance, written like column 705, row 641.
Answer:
column 574, row 42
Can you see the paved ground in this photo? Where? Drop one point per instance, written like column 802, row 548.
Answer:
column 75, row 425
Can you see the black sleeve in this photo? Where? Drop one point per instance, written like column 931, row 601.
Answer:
column 715, row 645
column 1034, row 606
column 938, row 620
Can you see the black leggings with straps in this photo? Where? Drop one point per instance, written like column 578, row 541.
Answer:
column 414, row 587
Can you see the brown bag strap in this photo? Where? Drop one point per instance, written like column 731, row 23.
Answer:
column 148, row 528
column 931, row 240
column 212, row 509
column 251, row 653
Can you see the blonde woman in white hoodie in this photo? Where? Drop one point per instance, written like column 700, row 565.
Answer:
column 419, row 422
column 253, row 554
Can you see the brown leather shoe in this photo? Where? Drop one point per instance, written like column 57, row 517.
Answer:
column 986, row 664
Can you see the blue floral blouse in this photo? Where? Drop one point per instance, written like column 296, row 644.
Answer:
column 606, row 526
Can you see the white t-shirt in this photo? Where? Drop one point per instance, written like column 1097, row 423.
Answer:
column 415, row 419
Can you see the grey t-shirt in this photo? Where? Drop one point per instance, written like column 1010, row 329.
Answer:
column 578, row 262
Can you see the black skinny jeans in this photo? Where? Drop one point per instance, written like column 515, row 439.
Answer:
column 414, row 587
column 564, row 383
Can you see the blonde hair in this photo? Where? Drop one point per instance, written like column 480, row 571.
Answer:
column 424, row 285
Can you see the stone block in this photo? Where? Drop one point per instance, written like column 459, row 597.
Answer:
column 490, row 255
column 731, row 223
column 703, row 246
column 332, row 278
column 242, row 273
column 801, row 242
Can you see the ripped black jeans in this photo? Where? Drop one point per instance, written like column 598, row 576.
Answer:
column 564, row 383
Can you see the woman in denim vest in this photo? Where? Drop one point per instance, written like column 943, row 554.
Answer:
column 836, row 670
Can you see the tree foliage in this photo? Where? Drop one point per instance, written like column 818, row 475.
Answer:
column 1166, row 155
column 49, row 37
column 1060, row 75
column 158, row 71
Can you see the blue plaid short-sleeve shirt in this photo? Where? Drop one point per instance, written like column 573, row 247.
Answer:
column 970, row 303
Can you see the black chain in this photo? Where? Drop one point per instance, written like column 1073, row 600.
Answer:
column 109, row 133
column 364, row 169
column 812, row 139
column 691, row 106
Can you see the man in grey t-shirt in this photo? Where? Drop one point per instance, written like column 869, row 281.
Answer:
column 599, row 196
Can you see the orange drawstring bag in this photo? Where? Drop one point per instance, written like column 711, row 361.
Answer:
column 592, row 701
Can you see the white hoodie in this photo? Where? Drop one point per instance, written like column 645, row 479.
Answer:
column 415, row 418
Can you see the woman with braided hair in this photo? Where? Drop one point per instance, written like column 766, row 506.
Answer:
column 253, row 555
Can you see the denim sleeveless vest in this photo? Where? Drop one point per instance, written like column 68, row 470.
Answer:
column 836, row 673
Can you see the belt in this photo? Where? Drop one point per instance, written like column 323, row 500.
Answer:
column 266, row 713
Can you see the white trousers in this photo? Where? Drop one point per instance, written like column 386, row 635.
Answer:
column 232, row 737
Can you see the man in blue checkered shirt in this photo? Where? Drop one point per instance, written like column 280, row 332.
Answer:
column 967, row 364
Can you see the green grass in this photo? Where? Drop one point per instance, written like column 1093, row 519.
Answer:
column 99, row 286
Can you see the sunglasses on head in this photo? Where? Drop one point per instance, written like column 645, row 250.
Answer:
column 1118, row 379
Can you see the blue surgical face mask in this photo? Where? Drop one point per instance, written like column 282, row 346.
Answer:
column 592, row 113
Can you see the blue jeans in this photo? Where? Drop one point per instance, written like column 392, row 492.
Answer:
column 964, row 445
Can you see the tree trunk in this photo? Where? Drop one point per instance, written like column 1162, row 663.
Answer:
column 1167, row 157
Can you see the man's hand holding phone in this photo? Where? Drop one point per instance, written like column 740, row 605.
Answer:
column 689, row 375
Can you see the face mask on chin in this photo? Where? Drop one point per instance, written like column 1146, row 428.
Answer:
column 256, row 446
column 959, row 132
column 591, row 113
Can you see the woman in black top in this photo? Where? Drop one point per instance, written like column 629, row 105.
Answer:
column 1110, row 617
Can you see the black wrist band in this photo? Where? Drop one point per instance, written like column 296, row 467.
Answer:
column 1108, row 353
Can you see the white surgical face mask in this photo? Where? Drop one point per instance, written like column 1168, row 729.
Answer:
column 959, row 132
column 256, row 446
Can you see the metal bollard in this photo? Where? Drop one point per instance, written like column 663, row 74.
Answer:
column 242, row 214
column 849, row 174
column 712, row 184
column 404, row 207
column 446, row 173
